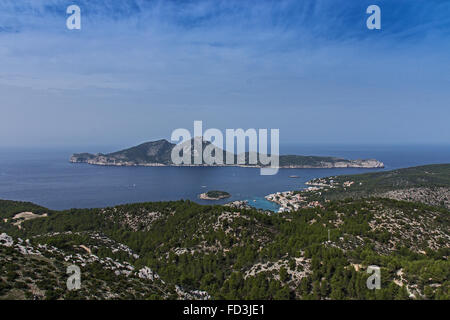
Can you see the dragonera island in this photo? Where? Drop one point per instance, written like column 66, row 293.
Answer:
column 158, row 153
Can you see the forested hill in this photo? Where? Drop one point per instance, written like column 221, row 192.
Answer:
column 182, row 250
column 429, row 184
column 435, row 175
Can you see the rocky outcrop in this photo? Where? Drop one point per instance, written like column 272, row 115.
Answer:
column 214, row 195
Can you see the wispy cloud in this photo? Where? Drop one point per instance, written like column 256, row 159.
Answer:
column 154, row 58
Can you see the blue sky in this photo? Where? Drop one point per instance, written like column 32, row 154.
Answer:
column 139, row 69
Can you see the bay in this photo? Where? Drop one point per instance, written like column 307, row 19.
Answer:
column 47, row 178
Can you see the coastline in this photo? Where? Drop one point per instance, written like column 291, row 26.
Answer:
column 328, row 165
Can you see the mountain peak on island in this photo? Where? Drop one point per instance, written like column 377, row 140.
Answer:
column 158, row 153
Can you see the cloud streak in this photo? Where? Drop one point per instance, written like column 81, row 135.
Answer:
column 171, row 62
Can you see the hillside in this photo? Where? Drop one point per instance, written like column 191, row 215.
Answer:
column 182, row 250
column 428, row 184
column 158, row 153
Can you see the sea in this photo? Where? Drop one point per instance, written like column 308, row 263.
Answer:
column 46, row 177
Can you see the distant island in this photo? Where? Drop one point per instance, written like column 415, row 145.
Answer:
column 158, row 153
column 214, row 195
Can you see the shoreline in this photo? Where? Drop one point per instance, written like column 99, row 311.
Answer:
column 333, row 166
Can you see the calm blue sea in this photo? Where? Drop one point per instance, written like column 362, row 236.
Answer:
column 47, row 178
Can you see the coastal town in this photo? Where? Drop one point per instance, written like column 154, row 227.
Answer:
column 295, row 200
column 292, row 200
